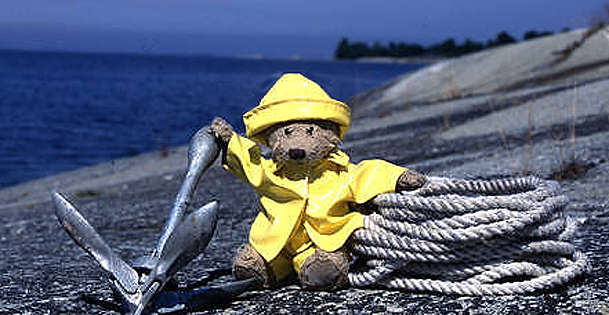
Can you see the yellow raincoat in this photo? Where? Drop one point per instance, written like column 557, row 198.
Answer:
column 316, row 198
column 303, row 207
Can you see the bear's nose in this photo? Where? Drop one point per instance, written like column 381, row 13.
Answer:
column 296, row 154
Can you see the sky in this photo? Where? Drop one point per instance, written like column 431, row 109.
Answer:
column 272, row 28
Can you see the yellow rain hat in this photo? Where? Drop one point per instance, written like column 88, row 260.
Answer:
column 294, row 97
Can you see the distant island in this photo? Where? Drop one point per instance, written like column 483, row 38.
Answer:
column 447, row 48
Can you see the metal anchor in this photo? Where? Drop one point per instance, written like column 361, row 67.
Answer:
column 140, row 285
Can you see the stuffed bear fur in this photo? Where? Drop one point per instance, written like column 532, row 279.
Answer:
column 301, row 142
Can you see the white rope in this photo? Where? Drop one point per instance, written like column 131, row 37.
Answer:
column 469, row 237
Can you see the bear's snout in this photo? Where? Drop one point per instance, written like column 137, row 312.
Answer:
column 297, row 154
column 301, row 142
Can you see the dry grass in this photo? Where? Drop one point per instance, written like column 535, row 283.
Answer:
column 572, row 170
column 564, row 139
column 514, row 165
column 569, row 167
column 164, row 151
column 526, row 165
column 454, row 92
column 572, row 119
column 87, row 193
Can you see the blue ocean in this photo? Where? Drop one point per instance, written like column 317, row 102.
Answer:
column 61, row 111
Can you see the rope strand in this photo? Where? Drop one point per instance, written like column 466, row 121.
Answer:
column 469, row 237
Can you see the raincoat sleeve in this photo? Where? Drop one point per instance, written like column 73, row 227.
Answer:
column 373, row 177
column 244, row 159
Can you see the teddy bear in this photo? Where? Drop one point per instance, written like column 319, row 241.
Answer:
column 305, row 190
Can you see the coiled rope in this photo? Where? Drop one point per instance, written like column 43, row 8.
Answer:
column 469, row 237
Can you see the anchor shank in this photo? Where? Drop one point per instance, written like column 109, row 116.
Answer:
column 202, row 152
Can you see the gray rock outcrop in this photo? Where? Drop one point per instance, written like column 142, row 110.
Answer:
column 513, row 110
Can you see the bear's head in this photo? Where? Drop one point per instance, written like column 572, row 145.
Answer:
column 302, row 141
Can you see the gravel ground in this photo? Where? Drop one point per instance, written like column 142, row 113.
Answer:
column 42, row 271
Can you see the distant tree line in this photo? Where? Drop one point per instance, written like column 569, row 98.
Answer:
column 447, row 48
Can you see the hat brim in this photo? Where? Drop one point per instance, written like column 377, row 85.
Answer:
column 262, row 117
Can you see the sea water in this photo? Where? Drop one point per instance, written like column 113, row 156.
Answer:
column 61, row 111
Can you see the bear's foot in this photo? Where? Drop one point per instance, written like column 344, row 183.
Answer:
column 325, row 271
column 249, row 264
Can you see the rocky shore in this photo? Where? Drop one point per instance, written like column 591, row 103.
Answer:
column 539, row 107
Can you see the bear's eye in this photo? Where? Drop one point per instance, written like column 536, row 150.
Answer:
column 287, row 131
column 310, row 130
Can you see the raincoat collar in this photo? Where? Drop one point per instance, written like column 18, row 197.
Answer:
column 339, row 158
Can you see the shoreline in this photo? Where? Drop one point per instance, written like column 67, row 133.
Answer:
column 400, row 60
column 404, row 60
